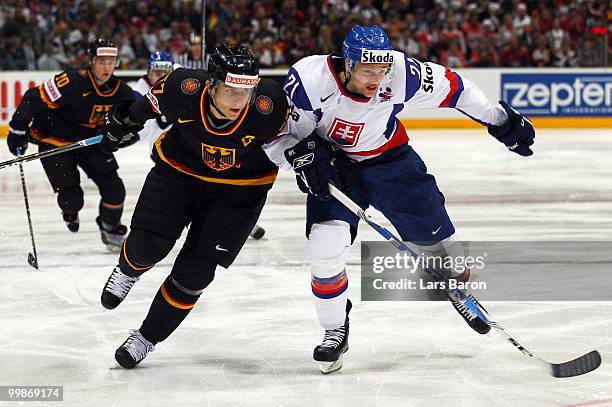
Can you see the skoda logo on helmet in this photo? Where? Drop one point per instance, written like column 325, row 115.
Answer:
column 378, row 56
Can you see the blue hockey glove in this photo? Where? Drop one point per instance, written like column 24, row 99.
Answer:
column 312, row 164
column 516, row 133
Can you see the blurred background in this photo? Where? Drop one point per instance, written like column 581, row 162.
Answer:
column 53, row 34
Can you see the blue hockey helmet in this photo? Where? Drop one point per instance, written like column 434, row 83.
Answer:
column 368, row 44
column 159, row 61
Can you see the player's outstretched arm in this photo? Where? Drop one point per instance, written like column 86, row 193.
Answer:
column 440, row 87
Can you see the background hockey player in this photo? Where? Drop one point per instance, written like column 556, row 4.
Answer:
column 70, row 107
column 351, row 101
column 159, row 64
column 211, row 174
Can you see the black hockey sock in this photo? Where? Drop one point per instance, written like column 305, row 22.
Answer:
column 169, row 308
column 110, row 214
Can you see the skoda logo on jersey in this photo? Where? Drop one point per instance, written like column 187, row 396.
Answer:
column 344, row 133
column 376, row 56
column 563, row 94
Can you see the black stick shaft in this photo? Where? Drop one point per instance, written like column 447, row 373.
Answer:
column 27, row 205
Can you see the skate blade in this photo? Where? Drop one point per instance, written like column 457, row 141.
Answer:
column 112, row 248
column 330, row 367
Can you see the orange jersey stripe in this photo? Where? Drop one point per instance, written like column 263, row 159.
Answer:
column 172, row 301
column 204, row 120
column 54, row 141
column 112, row 206
column 93, row 82
column 130, row 263
column 264, row 179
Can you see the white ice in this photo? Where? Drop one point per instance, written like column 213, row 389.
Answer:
column 249, row 339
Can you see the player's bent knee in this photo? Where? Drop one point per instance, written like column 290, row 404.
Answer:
column 328, row 244
column 193, row 270
column 70, row 199
column 111, row 188
column 143, row 249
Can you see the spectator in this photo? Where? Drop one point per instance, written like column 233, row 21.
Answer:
column 50, row 60
column 192, row 58
column 453, row 57
column 521, row 19
column 514, row 54
column 556, row 36
column 17, row 54
column 29, row 54
column 473, row 30
column 541, row 55
column 566, row 56
column 451, row 32
column 485, row 55
column 588, row 55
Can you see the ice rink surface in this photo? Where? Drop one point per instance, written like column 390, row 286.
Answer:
column 249, row 340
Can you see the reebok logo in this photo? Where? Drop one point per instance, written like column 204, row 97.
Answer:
column 303, row 160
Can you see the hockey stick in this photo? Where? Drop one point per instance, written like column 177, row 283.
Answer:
column 581, row 365
column 36, row 156
column 32, row 258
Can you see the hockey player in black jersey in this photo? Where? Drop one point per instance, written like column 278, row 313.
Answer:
column 70, row 107
column 210, row 174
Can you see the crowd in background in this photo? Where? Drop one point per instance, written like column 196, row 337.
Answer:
column 53, row 34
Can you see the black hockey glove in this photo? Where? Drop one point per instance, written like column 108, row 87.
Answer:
column 312, row 164
column 115, row 131
column 345, row 167
column 17, row 139
column 162, row 122
column 516, row 133
column 128, row 140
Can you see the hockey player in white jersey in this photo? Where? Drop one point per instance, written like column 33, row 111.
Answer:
column 351, row 101
column 159, row 64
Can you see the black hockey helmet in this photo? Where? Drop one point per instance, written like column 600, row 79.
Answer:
column 102, row 47
column 234, row 66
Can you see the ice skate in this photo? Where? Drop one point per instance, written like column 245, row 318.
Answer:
column 133, row 350
column 335, row 344
column 116, row 288
column 72, row 221
column 112, row 236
